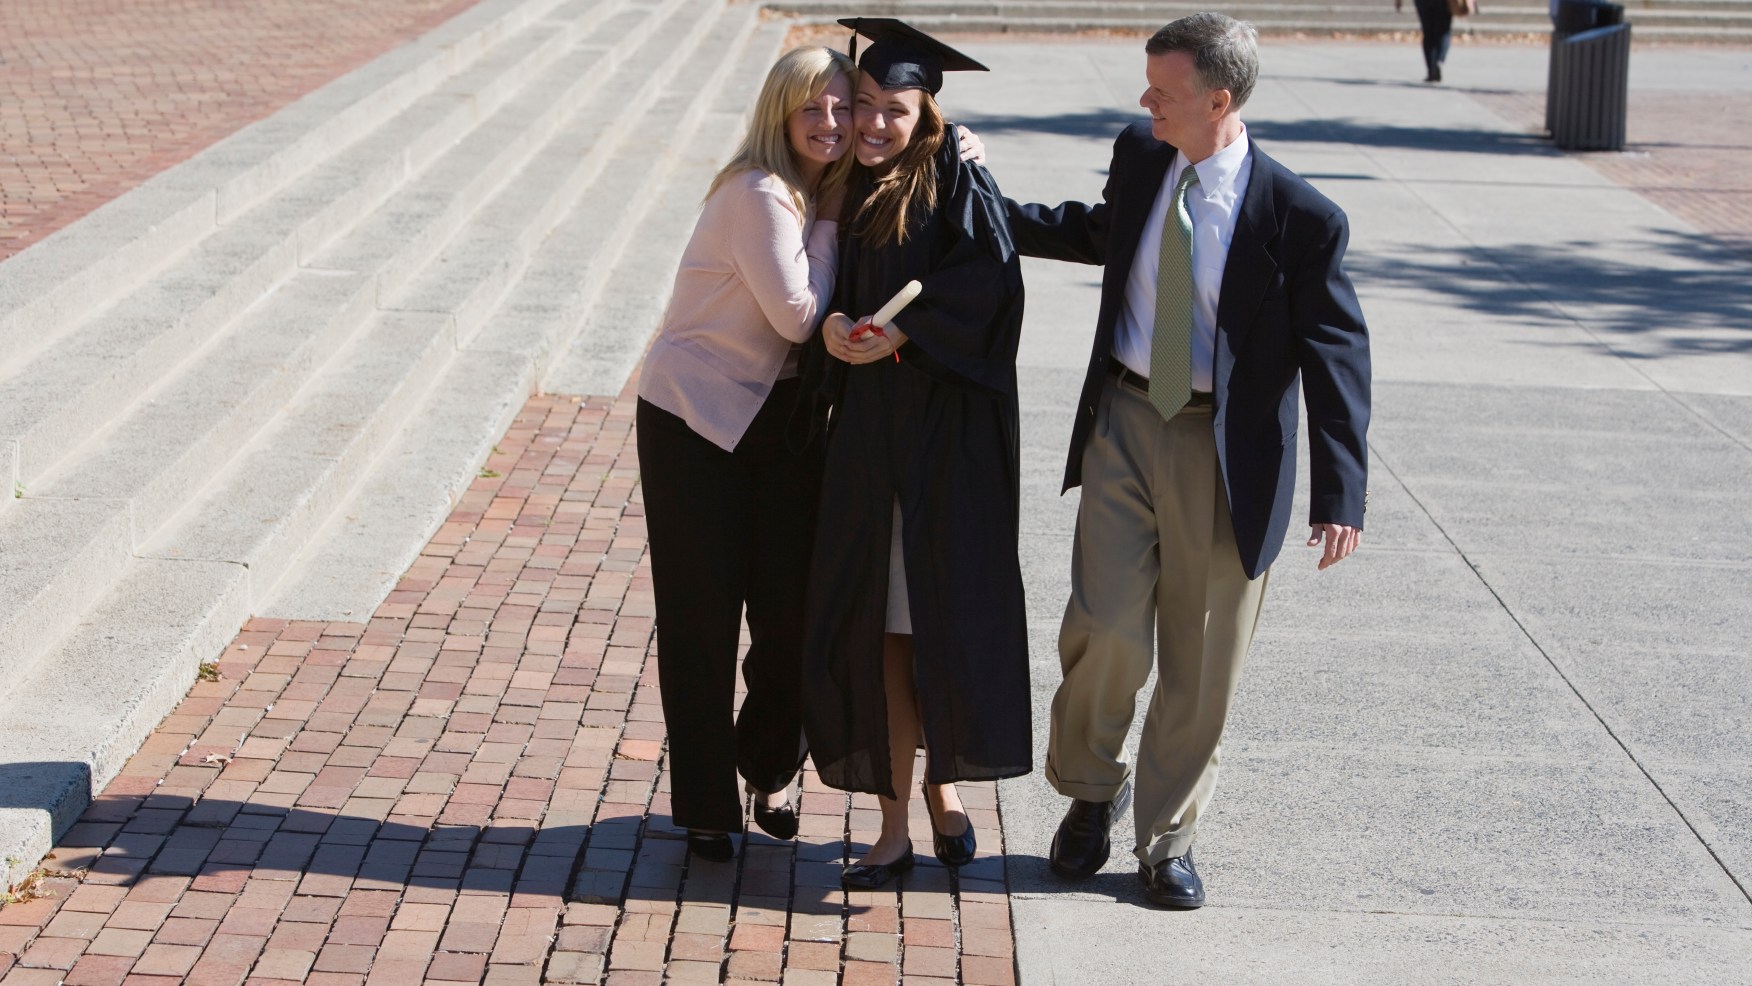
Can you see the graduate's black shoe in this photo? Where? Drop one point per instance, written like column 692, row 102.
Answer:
column 869, row 876
column 1081, row 845
column 1173, row 882
column 780, row 822
column 951, row 850
column 711, row 846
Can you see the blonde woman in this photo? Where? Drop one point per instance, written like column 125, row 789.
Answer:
column 729, row 508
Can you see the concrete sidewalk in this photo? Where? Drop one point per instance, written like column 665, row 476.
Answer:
column 1504, row 744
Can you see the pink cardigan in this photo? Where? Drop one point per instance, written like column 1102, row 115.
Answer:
column 754, row 280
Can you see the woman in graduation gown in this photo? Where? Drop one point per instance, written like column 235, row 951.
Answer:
column 915, row 626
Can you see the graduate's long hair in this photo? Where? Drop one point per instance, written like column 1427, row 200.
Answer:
column 910, row 186
column 798, row 77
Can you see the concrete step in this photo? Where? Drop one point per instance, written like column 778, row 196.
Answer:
column 354, row 562
column 56, row 559
column 629, row 276
column 472, row 273
column 152, row 435
column 65, row 544
column 135, row 411
column 58, row 284
column 68, row 727
column 284, row 484
column 55, row 402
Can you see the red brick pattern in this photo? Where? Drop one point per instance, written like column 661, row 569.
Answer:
column 1686, row 153
column 470, row 788
column 96, row 96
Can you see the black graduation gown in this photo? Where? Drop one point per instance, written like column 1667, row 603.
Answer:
column 938, row 431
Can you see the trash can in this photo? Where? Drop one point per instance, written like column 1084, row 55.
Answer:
column 1568, row 18
column 1592, row 89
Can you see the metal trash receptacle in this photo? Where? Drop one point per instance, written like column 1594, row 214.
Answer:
column 1571, row 17
column 1591, row 89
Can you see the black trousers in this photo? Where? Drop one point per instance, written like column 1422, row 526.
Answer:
column 728, row 530
column 1437, row 22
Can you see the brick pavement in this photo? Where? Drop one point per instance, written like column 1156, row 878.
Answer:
column 1686, row 153
column 96, row 96
column 469, row 788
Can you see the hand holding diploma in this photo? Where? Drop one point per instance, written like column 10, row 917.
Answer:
column 872, row 338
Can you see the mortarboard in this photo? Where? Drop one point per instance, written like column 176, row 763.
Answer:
column 903, row 57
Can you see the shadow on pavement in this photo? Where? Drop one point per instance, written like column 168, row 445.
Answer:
column 1105, row 123
column 1687, row 281
column 1033, row 876
column 1337, row 130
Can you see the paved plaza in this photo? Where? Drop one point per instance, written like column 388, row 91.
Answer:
column 1503, row 744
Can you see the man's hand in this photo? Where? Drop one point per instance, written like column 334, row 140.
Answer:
column 1340, row 542
column 972, row 148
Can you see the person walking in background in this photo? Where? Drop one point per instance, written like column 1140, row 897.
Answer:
column 729, row 506
column 917, row 627
column 1224, row 288
column 1436, row 19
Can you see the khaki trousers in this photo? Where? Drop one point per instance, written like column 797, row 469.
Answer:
column 1154, row 568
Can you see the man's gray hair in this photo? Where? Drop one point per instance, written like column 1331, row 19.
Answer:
column 1225, row 51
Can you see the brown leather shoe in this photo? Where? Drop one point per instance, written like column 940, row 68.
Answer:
column 1173, row 882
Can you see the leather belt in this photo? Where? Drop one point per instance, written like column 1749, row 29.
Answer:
column 1141, row 384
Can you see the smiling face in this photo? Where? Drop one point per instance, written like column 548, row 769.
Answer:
column 1180, row 113
column 819, row 130
column 884, row 121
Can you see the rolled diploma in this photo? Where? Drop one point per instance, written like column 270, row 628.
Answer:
column 901, row 299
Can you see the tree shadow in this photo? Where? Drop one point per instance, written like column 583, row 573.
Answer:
column 1107, row 123
column 219, row 844
column 1102, row 123
column 1341, row 130
column 1688, row 287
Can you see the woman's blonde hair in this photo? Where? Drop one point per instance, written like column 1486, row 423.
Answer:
column 910, row 184
column 798, row 77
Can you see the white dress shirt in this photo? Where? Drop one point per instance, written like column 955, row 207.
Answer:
column 1213, row 205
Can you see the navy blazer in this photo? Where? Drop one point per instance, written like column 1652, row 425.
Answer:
column 1286, row 313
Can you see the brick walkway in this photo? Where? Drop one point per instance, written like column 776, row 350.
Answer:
column 96, row 96
column 470, row 788
column 1687, row 154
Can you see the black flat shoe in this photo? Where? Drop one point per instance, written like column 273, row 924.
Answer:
column 870, row 876
column 713, row 847
column 780, row 822
column 1081, row 845
column 951, row 850
column 1173, row 882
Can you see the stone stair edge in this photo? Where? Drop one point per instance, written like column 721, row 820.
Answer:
column 220, row 277
column 415, row 383
column 395, row 509
column 91, row 263
column 511, row 261
column 612, row 336
column 41, row 607
column 147, row 528
column 69, row 729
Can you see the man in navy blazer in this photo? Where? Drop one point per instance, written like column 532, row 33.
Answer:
column 1185, row 440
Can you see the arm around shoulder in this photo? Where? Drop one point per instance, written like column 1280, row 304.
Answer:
column 789, row 269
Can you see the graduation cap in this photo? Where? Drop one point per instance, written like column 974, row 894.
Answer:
column 903, row 57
